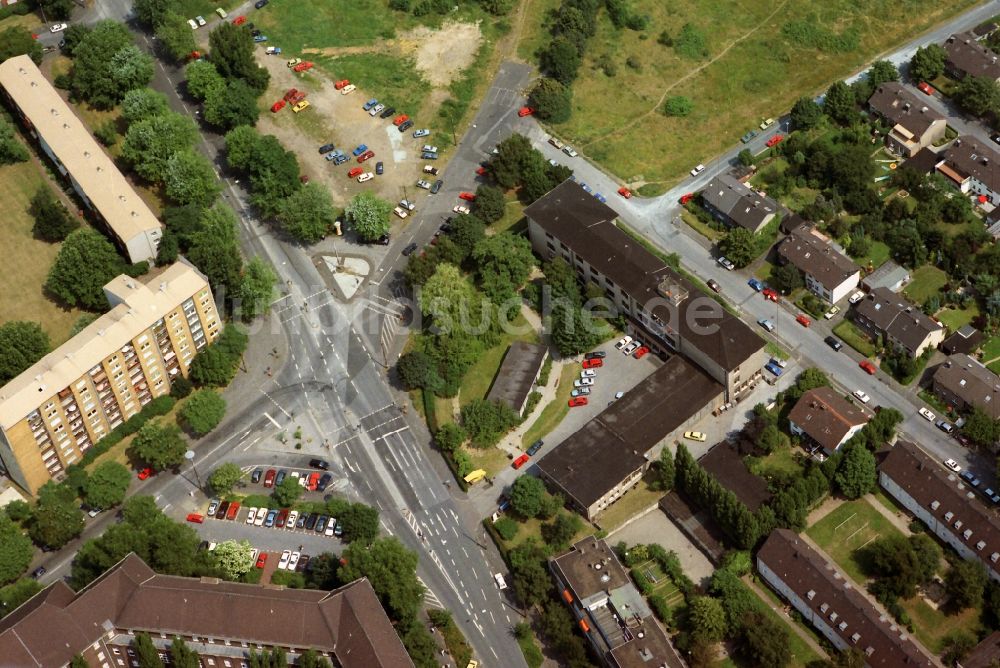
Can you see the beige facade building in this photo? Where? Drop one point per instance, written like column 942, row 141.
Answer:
column 59, row 407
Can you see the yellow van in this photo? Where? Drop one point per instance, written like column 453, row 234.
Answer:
column 475, row 476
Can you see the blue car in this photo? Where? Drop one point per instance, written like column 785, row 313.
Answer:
column 774, row 368
column 359, row 150
column 755, row 284
column 370, row 103
column 271, row 514
column 260, row 38
column 585, row 187
column 601, row 198
column 427, row 155
column 340, row 159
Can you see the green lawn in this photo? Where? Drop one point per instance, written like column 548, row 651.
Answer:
column 764, row 270
column 955, row 319
column 932, row 626
column 781, row 461
column 924, row 282
column 555, row 411
column 512, row 217
column 802, row 654
column 852, row 336
column 635, row 500
column 991, row 349
column 312, row 27
column 701, row 228
column 394, row 78
column 480, row 375
column 846, row 530
column 878, row 254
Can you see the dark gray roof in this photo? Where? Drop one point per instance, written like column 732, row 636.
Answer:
column 587, row 227
column 888, row 274
column 968, row 57
column 813, row 254
column 899, row 106
column 738, row 202
column 968, row 379
column 831, row 595
column 726, row 464
column 970, row 157
column 966, row 339
column 517, row 374
column 604, row 451
column 902, row 320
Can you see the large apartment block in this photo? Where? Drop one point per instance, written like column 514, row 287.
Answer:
column 79, row 158
column 59, row 407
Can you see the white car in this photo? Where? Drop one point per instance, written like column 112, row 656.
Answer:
column 501, row 583
column 726, row 262
column 252, row 516
column 461, row 209
column 293, row 517
column 862, row 397
column 588, row 373
column 631, row 348
column 927, row 415
column 407, row 204
column 367, row 176
column 376, row 110
column 417, row 134
column 423, row 184
column 856, row 297
column 59, row 27
column 429, row 149
column 200, row 20
column 191, row 22
column 697, row 170
column 568, row 150
column 399, row 211
column 623, row 342
column 832, row 312
column 330, row 526
column 581, row 382
column 261, row 516
column 619, row 395
column 285, row 556
column 348, row 89
column 953, row 465
column 293, row 561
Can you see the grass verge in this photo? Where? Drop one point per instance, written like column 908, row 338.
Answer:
column 555, row 411
column 852, row 336
column 634, row 501
column 480, row 375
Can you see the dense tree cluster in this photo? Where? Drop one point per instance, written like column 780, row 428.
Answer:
column 85, row 264
column 517, row 164
column 11, row 148
column 21, row 345
column 107, row 64
column 216, row 365
column 273, row 170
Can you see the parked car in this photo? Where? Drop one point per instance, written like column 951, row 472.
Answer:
column 766, row 123
column 868, row 367
column 201, row 20
column 355, row 171
column 697, row 170
column 59, row 27
column 234, row 510
column 278, row 106
column 925, row 88
column 429, row 148
column 342, row 84
column 746, row 138
column 409, row 250
column 370, row 103
column 429, row 156
column 261, row 516
column 953, row 465
column 293, row 517
column 625, row 192
column 726, row 262
column 303, row 66
column 324, row 482
column 861, row 396
column 367, row 176
column 520, row 461
column 755, row 284
column 713, row 285
column 361, row 148
column 775, row 140
column 252, row 515
column 404, row 126
column 460, row 209
column 283, row 561
column 282, row 474
column 641, row 352
column 261, row 560
column 196, row 518
column 525, row 111
column 624, row 341
column 407, row 204
column 269, row 478
column 772, row 294
column 146, row 473
column 695, row 436
column 583, row 382
column 588, row 373
column 321, row 523
column 279, row 521
column 766, row 324
column 632, row 347
column 430, row 169
column 856, row 297
column 376, row 110
column 301, row 106
column 387, row 112
column 945, row 426
column 595, row 354
column 256, row 475
column 833, row 343
column 423, row 184
column 834, row 310
column 468, row 197
column 213, row 507
column 271, row 516
column 803, row 320
column 577, row 401
column 348, row 89
column 535, row 447
column 926, row 414
column 379, row 168
column 399, row 120
column 260, row 38
column 292, row 62
column 568, row 150
column 436, row 188
column 260, row 3
column 593, row 363
column 272, row 50
column 399, row 211
column 579, row 392
column 417, row 134
column 326, row 148
column 774, row 368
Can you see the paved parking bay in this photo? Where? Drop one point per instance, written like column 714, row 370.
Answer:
column 268, row 539
column 656, row 527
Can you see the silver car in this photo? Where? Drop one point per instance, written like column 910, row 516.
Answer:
column 423, row 184
column 376, row 110
column 417, row 134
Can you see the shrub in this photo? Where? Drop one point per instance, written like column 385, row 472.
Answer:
column 678, row 105
column 506, row 527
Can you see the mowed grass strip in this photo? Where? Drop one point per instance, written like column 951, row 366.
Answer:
column 27, row 260
column 844, row 532
column 316, row 25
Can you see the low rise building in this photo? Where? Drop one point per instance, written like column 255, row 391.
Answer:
column 984, row 655
column 966, row 339
column 913, row 125
column 942, row 501
column 898, row 322
column 609, row 610
column 889, row 275
column 735, row 204
column 222, row 621
column 966, row 56
column 828, row 273
column 828, row 601
column 962, row 382
column 518, row 374
column 972, row 166
column 595, row 466
column 826, row 419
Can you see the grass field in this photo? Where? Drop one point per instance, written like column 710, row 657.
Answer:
column 753, row 70
column 701, row 228
column 637, row 499
column 991, row 349
column 877, row 255
column 925, row 281
column 556, row 409
column 932, row 626
column 955, row 319
column 480, row 375
column 846, row 530
column 852, row 336
column 781, row 461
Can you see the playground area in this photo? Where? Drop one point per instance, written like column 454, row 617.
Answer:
column 844, row 533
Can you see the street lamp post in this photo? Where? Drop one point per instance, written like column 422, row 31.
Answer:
column 189, row 455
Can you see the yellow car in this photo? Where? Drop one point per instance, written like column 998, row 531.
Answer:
column 695, row 436
column 294, row 61
column 304, row 104
column 473, row 664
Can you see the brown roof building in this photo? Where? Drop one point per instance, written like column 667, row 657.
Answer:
column 610, row 611
column 942, row 501
column 736, row 204
column 973, row 167
column 913, row 124
column 967, row 57
column 963, row 382
column 966, row 339
column 900, row 322
column 828, row 272
column 728, row 466
column 218, row 619
column 596, row 465
column 517, row 375
column 826, row 418
column 833, row 605
column 984, row 655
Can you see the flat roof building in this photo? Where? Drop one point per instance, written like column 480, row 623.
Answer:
column 522, row 363
column 79, row 158
column 54, row 411
column 220, row 620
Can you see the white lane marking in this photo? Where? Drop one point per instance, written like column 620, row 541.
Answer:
column 273, row 421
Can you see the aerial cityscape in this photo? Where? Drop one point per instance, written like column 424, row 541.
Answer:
column 500, row 333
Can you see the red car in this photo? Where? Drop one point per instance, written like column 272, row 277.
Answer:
column 468, row 197
column 313, row 481
column 291, row 94
column 925, row 87
column 770, row 293
column 262, row 560
column 239, row 20
column 520, row 461
column 686, row 197
column 399, row 120
column 481, row 171
column 234, row 510
column 356, row 171
column 196, row 518
column 803, row 320
column 279, row 521
column 342, row 83
column 194, row 55
column 638, row 354
column 867, row 366
column 775, row 140
column 146, row 473
column 278, row 106
column 367, row 155
column 625, row 192
column 303, row 66
column 593, row 363
column 577, row 401
column 525, row 111
column 269, row 478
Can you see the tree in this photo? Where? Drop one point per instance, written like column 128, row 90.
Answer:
column 308, row 214
column 561, row 60
column 392, row 571
column 176, row 37
column 504, row 262
column 17, row 510
column 106, row 65
column 450, row 436
column 785, row 278
column 203, row 79
column 928, row 62
column 57, row 9
column 490, row 203
column 310, row 659
column 56, row 519
column 509, row 162
column 11, row 149
column 182, row 656
column 78, row 662
column 956, row 645
column 159, row 445
column 360, row 523
column 240, row 143
column 232, row 106
column 149, row 144
column 416, row 370
column 369, row 215
column 981, row 428
column 446, row 296
column 708, row 619
column 257, row 288
column 15, row 551
column 203, row 411
column 665, row 471
column 532, row 581
column 487, row 421
column 526, row 496
column 678, row 106
column 466, row 232
column 287, row 493
column 146, row 652
column 560, row 532
column 16, row 41
column 739, row 245
column 765, row 641
column 224, row 478
column 810, row 379
column 85, row 263
column 978, row 95
column 882, row 71
column 180, row 387
column 572, row 330
column 215, row 365
column 857, row 472
column 73, row 36
column 274, row 174
column 965, row 583
column 551, row 100
column 13, row 595
column 151, row 13
column 215, row 248
column 745, row 157
column 107, row 485
column 233, row 54
column 191, row 179
column 901, row 564
column 839, row 103
column 235, row 558
column 21, row 345
column 143, row 103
